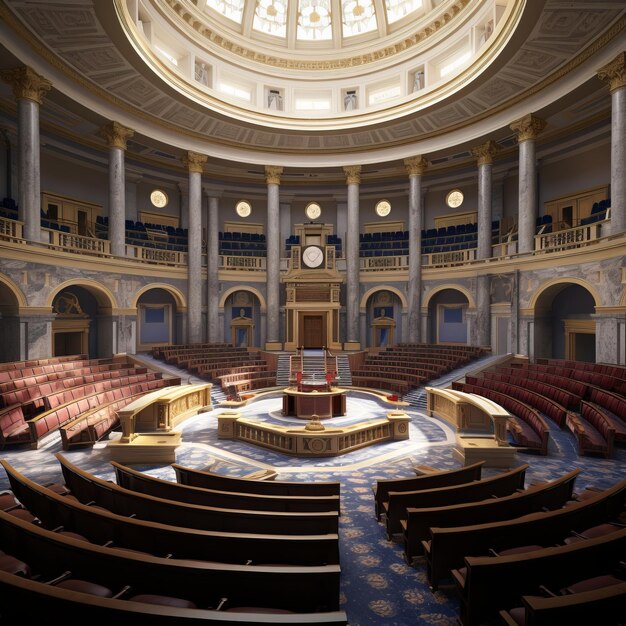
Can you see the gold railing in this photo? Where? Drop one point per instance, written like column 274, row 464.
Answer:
column 11, row 230
column 78, row 243
column 377, row 263
column 453, row 257
column 156, row 255
column 246, row 263
column 570, row 238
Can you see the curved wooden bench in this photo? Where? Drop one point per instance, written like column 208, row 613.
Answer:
column 593, row 430
column 143, row 483
column 442, row 478
column 490, row 584
column 551, row 495
column 210, row 480
column 497, row 486
column 446, row 547
column 48, row 553
column 100, row 526
column 89, row 488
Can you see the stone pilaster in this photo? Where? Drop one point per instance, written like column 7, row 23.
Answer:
column 527, row 129
column 29, row 89
column 116, row 137
column 194, row 163
column 353, row 179
column 415, row 167
column 484, row 155
column 614, row 74
column 272, row 179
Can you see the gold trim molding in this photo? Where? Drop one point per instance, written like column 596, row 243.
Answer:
column 116, row 135
column 353, row 174
column 527, row 127
column 416, row 166
column 272, row 174
column 485, row 152
column 194, row 162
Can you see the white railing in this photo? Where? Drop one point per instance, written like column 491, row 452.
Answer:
column 570, row 238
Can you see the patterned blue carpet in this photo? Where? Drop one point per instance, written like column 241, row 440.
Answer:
column 377, row 587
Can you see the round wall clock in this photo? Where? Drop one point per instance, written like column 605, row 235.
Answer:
column 243, row 208
column 455, row 198
column 313, row 210
column 313, row 256
column 383, row 208
column 158, row 198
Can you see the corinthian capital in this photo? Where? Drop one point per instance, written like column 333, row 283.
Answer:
column 116, row 135
column 272, row 174
column 415, row 166
column 26, row 83
column 485, row 152
column 353, row 174
column 194, row 162
column 614, row 73
column 528, row 127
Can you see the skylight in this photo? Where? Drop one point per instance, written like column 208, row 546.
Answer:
column 359, row 16
column 270, row 16
column 232, row 9
column 314, row 20
column 397, row 9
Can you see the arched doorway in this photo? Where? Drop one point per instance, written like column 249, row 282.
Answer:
column 564, row 327
column 242, row 314
column 10, row 348
column 157, row 319
column 384, row 315
column 447, row 317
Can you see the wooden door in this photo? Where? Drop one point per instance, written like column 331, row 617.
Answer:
column 313, row 331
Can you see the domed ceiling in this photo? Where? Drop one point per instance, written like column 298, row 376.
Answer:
column 311, row 83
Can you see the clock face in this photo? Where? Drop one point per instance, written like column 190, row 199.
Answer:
column 313, row 256
column 383, row 208
column 313, row 210
column 158, row 198
column 243, row 208
column 454, row 198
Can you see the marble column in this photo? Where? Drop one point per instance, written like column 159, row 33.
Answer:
column 116, row 137
column 482, row 330
column 484, row 155
column 213, row 259
column 353, row 179
column 415, row 167
column 184, row 204
column 29, row 89
column 615, row 75
column 194, row 162
column 272, row 178
column 527, row 129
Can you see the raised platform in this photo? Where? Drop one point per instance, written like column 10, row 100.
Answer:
column 473, row 449
column 147, row 448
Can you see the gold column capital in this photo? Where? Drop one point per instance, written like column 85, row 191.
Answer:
column 527, row 127
column 485, row 152
column 26, row 83
column 194, row 162
column 614, row 73
column 353, row 174
column 416, row 165
column 272, row 174
column 116, row 135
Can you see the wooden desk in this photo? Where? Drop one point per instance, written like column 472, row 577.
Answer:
column 305, row 404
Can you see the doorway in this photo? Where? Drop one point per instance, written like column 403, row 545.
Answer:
column 68, row 343
column 313, row 331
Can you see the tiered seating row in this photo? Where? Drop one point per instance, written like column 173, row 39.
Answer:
column 406, row 366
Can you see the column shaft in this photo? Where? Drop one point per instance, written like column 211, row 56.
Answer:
column 29, row 168
column 415, row 257
column 273, row 262
column 352, row 265
column 618, row 160
column 117, row 202
column 194, row 260
column 213, row 331
column 483, row 311
column 484, row 211
column 527, row 205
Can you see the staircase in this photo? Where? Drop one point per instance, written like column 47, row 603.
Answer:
column 313, row 367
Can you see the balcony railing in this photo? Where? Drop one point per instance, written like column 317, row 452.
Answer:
column 570, row 238
column 11, row 230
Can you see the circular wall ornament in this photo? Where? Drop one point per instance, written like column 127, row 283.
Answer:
column 383, row 208
column 313, row 210
column 313, row 256
column 455, row 198
column 159, row 198
column 243, row 208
